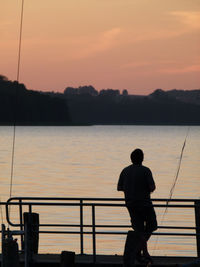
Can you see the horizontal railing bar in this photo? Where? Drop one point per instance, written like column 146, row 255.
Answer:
column 97, row 199
column 111, row 233
column 114, row 226
column 102, row 232
column 88, row 204
column 177, row 227
column 15, row 232
column 111, row 226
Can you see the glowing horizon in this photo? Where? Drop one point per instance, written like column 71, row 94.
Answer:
column 138, row 45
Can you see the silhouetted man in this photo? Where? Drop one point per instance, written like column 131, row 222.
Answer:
column 136, row 181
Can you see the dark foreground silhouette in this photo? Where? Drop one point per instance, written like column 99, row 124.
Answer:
column 137, row 183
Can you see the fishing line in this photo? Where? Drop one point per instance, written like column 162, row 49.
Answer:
column 16, row 94
column 173, row 184
column 177, row 172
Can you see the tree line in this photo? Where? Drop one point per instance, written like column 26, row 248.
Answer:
column 85, row 106
column 27, row 107
column 158, row 108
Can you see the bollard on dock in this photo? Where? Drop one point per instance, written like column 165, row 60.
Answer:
column 67, row 259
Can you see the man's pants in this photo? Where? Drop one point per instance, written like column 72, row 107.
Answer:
column 143, row 219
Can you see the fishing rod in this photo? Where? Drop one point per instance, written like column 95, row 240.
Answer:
column 176, row 176
column 174, row 183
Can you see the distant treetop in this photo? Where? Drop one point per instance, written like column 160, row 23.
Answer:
column 124, row 92
column 81, row 90
column 109, row 92
column 3, row 78
column 90, row 90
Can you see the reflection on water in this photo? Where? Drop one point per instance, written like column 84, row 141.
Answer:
column 86, row 162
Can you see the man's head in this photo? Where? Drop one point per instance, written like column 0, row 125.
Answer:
column 137, row 156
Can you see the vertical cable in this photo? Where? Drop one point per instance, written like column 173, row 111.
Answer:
column 15, row 116
column 20, row 40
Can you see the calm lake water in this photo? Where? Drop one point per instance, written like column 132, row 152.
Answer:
column 86, row 162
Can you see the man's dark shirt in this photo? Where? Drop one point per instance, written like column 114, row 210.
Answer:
column 137, row 183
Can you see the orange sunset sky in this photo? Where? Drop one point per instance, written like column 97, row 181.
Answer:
column 139, row 45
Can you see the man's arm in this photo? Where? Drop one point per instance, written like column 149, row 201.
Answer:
column 151, row 182
column 120, row 183
column 152, row 187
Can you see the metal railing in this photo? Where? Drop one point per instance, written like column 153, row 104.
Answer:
column 31, row 202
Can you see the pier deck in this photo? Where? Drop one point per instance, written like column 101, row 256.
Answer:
column 115, row 260
column 53, row 260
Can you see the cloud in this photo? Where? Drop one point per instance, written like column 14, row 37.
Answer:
column 187, row 69
column 103, row 42
column 183, row 23
column 152, row 35
column 74, row 48
column 191, row 19
column 133, row 65
column 5, row 24
column 161, row 66
column 4, row 30
column 141, row 65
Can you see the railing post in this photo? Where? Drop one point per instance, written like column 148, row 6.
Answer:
column 197, row 221
column 81, row 226
column 27, row 240
column 31, row 236
column 30, row 208
column 21, row 223
column 93, row 233
column 3, row 229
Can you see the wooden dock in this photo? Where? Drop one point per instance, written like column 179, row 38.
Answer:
column 53, row 260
